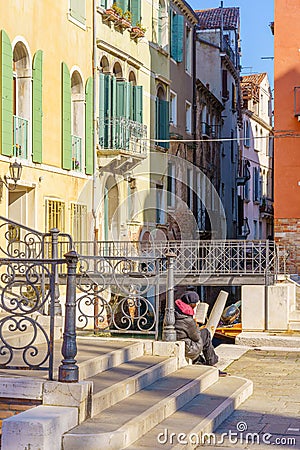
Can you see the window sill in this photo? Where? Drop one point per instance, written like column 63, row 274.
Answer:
column 76, row 22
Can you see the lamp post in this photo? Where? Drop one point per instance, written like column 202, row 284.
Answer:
column 15, row 172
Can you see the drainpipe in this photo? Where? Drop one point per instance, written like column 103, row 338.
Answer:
column 94, row 185
column 221, row 28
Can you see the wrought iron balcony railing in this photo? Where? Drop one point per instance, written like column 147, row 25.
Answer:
column 20, row 137
column 76, row 153
column 120, row 133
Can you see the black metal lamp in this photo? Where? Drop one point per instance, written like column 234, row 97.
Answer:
column 15, row 171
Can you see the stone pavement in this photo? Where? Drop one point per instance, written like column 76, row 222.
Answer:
column 271, row 416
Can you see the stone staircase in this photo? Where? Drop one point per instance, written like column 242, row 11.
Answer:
column 132, row 394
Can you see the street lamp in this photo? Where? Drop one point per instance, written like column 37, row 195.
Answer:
column 15, row 171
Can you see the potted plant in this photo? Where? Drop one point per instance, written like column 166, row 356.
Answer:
column 125, row 20
column 113, row 13
column 137, row 31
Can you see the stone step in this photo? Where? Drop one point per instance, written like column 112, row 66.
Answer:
column 116, row 384
column 186, row 428
column 125, row 422
column 92, row 366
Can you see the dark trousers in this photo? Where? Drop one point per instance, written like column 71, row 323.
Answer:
column 210, row 358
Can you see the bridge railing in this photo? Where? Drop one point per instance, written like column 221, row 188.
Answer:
column 194, row 257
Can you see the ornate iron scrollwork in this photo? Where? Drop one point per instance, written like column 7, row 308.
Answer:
column 115, row 294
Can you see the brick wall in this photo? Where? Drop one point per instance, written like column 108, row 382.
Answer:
column 11, row 406
column 287, row 232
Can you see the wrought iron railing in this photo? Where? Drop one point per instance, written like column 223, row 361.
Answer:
column 195, row 257
column 120, row 133
column 76, row 153
column 20, row 137
column 118, row 295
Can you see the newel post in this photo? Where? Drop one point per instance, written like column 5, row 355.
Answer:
column 169, row 332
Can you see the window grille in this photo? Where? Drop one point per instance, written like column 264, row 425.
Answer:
column 78, row 222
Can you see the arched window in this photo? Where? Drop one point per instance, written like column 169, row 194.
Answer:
column 77, row 99
column 120, row 104
column 22, row 75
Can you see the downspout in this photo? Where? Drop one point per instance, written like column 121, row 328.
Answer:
column 95, row 173
column 221, row 28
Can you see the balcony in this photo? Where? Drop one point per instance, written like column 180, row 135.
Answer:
column 266, row 207
column 20, row 137
column 76, row 153
column 122, row 144
column 206, row 130
column 243, row 229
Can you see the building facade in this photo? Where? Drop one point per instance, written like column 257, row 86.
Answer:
column 286, row 127
column 256, row 168
column 218, row 40
column 46, row 112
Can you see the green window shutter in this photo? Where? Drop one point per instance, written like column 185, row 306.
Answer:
column 66, row 119
column 123, row 4
column 89, row 153
column 138, row 103
column 37, row 107
column 6, row 96
column 101, row 109
column 113, row 110
column 121, row 98
column 77, row 10
column 177, row 37
column 107, row 111
column 135, row 8
column 162, row 122
column 128, row 92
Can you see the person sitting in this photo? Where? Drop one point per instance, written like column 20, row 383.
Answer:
column 198, row 344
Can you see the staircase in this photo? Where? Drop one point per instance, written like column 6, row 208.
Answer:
column 143, row 395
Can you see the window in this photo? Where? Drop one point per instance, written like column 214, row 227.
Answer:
column 177, row 30
column 200, row 188
column 162, row 119
column 77, row 111
column 173, row 109
column 21, row 100
column 120, row 104
column 233, row 97
column 55, row 215
column 162, row 25
column 189, row 186
column 160, row 213
column 78, row 222
column 77, row 11
column 246, row 133
column 188, row 117
column 255, row 229
column 171, row 186
column 256, row 185
column 225, row 93
column 188, row 50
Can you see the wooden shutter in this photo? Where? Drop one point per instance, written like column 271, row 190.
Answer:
column 162, row 122
column 177, row 37
column 101, row 110
column 138, row 103
column 37, row 107
column 123, row 4
column 113, row 110
column 224, row 84
column 107, row 111
column 77, row 10
column 6, row 96
column 66, row 119
column 89, row 147
column 135, row 8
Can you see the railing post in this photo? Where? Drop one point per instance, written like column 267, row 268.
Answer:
column 68, row 370
column 169, row 332
column 54, row 254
